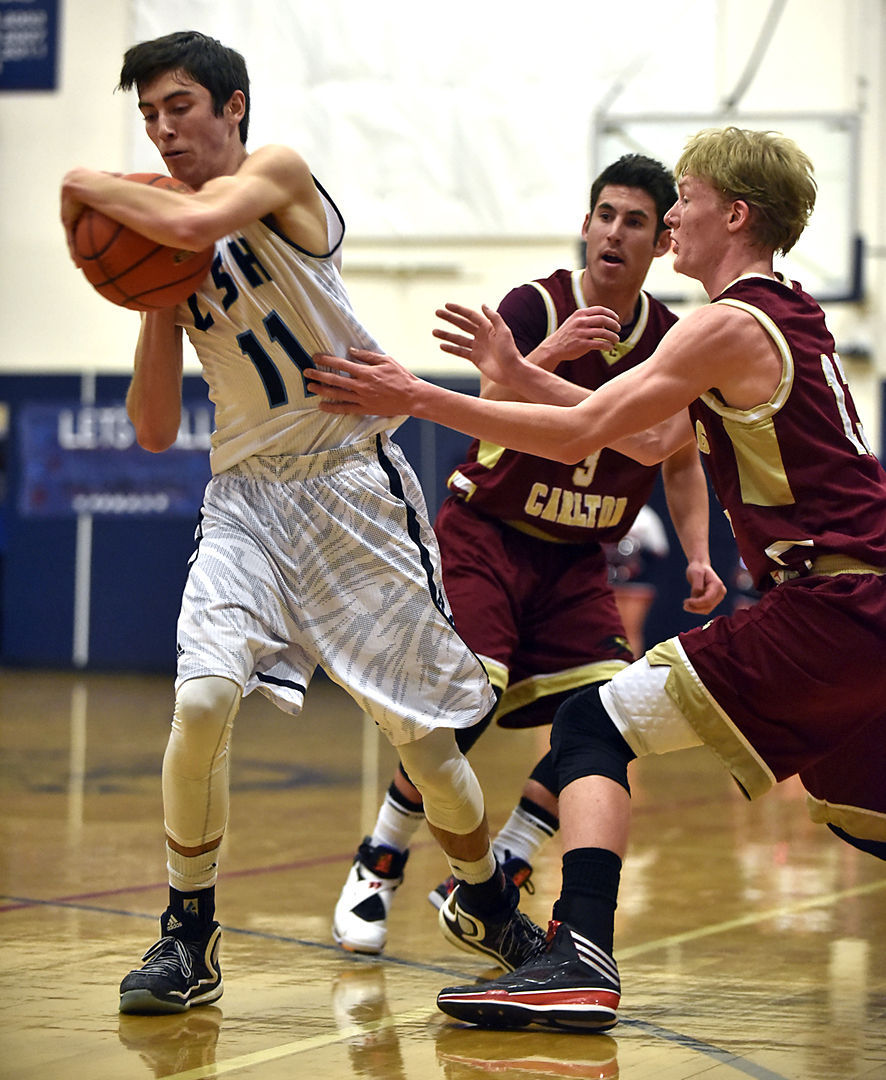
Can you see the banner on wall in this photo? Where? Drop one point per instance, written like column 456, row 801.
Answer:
column 28, row 44
column 83, row 459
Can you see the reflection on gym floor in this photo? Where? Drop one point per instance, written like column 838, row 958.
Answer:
column 751, row 943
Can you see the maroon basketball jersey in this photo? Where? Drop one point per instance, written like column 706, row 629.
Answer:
column 598, row 499
column 795, row 475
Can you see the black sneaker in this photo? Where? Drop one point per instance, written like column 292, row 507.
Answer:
column 573, row 984
column 518, row 870
column 509, row 937
column 179, row 970
column 360, row 919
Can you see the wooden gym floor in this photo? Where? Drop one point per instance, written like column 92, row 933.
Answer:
column 751, row 943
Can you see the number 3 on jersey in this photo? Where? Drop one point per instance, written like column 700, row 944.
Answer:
column 269, row 373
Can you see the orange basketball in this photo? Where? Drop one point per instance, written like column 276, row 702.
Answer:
column 129, row 269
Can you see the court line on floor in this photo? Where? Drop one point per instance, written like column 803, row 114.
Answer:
column 249, row 872
column 318, row 1042
column 299, row 1046
column 742, row 1065
column 17, row 903
column 690, row 1042
column 750, row 919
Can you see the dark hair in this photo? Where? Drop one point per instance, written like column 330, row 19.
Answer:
column 635, row 170
column 213, row 65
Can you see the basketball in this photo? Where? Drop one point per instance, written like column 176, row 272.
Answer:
column 129, row 269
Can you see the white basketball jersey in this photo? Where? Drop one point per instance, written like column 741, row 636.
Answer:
column 265, row 308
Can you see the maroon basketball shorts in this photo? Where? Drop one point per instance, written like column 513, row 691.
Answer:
column 801, row 677
column 539, row 614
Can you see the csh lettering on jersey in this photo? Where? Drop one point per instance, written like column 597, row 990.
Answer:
column 578, row 508
column 251, row 268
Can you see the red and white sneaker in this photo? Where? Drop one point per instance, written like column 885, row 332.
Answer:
column 573, row 984
column 360, row 921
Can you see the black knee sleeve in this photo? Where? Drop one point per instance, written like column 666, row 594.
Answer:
column 585, row 742
column 545, row 774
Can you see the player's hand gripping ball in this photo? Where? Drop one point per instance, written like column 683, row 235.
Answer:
column 129, row 269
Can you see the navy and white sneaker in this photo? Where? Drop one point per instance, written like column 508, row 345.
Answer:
column 359, row 923
column 508, row 937
column 572, row 985
column 178, row 971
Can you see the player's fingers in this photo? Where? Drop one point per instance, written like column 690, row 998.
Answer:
column 330, row 378
column 453, row 339
column 460, row 309
column 600, row 311
column 327, row 392
column 604, row 323
column 368, row 356
column 462, row 321
column 456, row 350
column 338, row 363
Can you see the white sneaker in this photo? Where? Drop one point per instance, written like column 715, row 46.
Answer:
column 360, row 920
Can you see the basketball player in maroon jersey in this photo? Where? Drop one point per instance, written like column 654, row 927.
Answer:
column 521, row 536
column 792, row 685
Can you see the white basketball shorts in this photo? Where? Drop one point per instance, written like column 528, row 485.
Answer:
column 328, row 559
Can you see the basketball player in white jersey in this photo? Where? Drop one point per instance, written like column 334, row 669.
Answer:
column 314, row 545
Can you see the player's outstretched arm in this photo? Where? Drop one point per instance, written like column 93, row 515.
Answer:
column 371, row 383
column 635, row 401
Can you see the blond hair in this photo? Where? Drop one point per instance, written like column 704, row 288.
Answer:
column 765, row 169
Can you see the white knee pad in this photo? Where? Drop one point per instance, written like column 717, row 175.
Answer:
column 195, row 765
column 646, row 715
column 451, row 793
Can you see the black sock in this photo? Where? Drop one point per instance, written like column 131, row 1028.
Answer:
column 199, row 904
column 590, row 893
column 488, row 896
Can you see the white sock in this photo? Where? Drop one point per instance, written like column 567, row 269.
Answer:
column 395, row 825
column 474, row 873
column 190, row 872
column 521, row 837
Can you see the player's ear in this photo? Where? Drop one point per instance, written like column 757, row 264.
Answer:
column 662, row 243
column 236, row 106
column 739, row 214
